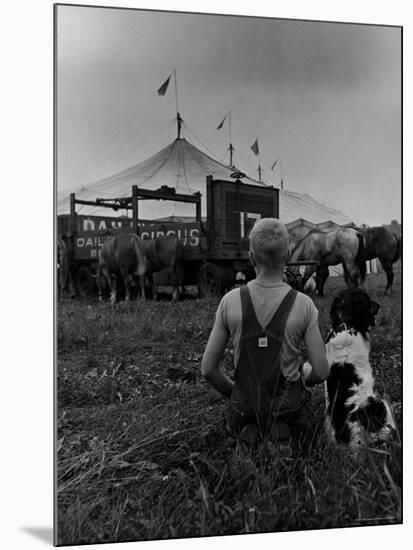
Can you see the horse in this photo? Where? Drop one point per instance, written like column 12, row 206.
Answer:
column 165, row 252
column 341, row 246
column 122, row 258
column 382, row 243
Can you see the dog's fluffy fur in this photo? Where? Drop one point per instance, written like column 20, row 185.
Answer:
column 354, row 411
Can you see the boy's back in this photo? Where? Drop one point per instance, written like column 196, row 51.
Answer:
column 267, row 382
column 266, row 298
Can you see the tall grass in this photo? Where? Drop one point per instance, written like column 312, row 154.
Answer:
column 142, row 447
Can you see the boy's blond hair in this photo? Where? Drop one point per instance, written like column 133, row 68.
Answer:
column 269, row 243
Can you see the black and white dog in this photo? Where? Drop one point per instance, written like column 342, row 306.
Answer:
column 354, row 411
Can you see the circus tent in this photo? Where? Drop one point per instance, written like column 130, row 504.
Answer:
column 183, row 166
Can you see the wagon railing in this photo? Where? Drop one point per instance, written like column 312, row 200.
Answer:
column 163, row 193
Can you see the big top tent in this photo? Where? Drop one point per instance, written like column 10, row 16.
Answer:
column 184, row 167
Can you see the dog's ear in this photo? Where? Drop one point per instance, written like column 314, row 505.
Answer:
column 374, row 307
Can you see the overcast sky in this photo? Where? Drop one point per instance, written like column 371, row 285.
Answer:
column 322, row 98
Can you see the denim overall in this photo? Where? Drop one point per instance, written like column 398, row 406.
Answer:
column 261, row 394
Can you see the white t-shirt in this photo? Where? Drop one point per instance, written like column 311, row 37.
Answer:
column 266, row 298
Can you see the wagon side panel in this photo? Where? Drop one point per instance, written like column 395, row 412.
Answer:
column 234, row 208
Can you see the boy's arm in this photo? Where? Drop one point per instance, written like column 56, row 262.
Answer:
column 213, row 354
column 319, row 368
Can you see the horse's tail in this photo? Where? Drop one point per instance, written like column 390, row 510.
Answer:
column 360, row 257
column 398, row 247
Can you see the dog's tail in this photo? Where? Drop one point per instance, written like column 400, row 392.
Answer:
column 326, row 399
column 360, row 257
column 391, row 421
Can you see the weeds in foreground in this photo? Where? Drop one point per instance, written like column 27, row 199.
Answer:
column 143, row 451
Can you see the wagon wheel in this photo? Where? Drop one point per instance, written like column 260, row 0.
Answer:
column 211, row 280
column 84, row 283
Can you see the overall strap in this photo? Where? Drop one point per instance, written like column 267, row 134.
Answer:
column 250, row 323
column 261, row 392
column 277, row 324
column 249, row 319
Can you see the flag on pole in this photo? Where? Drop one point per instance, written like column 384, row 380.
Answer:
column 164, row 87
column 254, row 147
column 222, row 123
column 273, row 166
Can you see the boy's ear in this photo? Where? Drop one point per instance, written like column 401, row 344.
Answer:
column 252, row 258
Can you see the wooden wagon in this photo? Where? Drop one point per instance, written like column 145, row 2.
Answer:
column 215, row 247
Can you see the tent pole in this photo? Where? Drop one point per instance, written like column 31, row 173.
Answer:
column 176, row 92
column 231, row 148
column 179, row 122
column 178, row 116
column 176, row 104
column 282, row 176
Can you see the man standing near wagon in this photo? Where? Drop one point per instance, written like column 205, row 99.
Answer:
column 267, row 322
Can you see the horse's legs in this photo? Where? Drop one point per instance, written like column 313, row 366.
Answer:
column 153, row 286
column 318, row 283
column 141, row 284
column 388, row 268
column 321, row 278
column 111, row 279
column 71, row 285
column 351, row 274
column 179, row 280
column 103, row 278
column 175, row 294
column 346, row 274
column 104, row 272
column 99, row 276
column 126, row 278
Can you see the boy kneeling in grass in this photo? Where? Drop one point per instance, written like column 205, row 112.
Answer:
column 267, row 322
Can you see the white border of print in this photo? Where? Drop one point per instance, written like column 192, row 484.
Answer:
column 27, row 320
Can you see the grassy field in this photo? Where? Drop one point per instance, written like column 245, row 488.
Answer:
column 142, row 450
